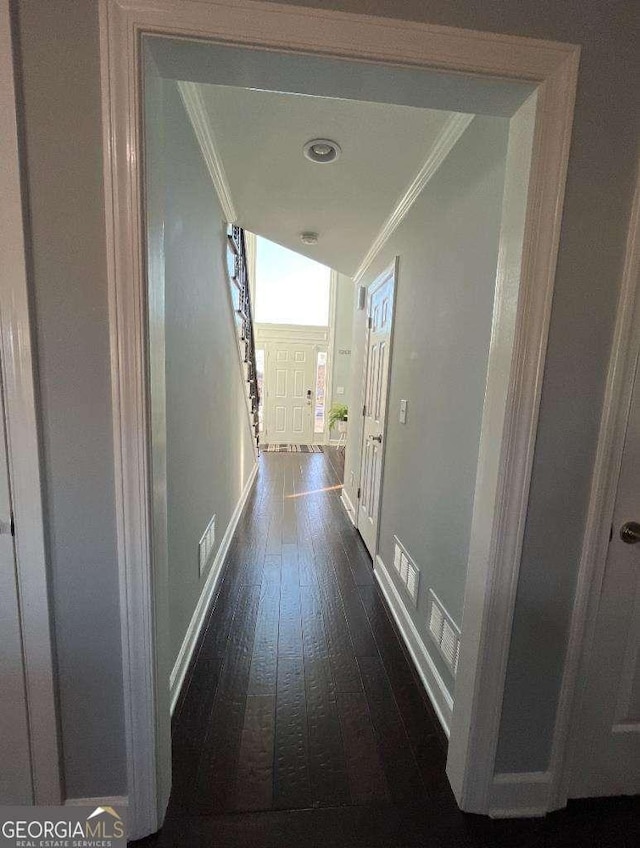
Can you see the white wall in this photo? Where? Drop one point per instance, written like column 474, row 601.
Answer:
column 448, row 248
column 209, row 446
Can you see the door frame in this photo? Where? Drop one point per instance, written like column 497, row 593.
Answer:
column 390, row 271
column 604, row 488
column 516, row 361
column 23, row 448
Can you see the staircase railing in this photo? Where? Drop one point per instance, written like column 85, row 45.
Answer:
column 241, row 296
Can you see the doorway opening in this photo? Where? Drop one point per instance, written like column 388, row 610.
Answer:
column 295, row 323
column 508, row 409
column 433, row 182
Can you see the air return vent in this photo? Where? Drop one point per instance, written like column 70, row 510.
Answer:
column 206, row 545
column 444, row 632
column 407, row 570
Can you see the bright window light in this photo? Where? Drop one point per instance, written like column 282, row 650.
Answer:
column 290, row 289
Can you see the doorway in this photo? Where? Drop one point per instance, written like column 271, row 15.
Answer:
column 380, row 302
column 295, row 317
column 601, row 718
column 607, row 762
column 502, row 483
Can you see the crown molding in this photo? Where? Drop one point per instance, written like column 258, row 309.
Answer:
column 448, row 137
column 194, row 104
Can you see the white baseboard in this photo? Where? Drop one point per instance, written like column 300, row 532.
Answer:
column 520, row 795
column 179, row 670
column 98, row 801
column 346, row 503
column 432, row 681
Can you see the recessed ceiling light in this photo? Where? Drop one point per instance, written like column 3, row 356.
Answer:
column 322, row 150
column 309, row 238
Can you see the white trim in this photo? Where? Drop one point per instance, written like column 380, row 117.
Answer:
column 443, row 145
column 131, row 451
column 514, row 381
column 190, row 640
column 305, row 334
column 201, row 123
column 98, row 801
column 519, row 795
column 604, row 485
column 23, row 452
column 431, row 678
column 346, row 503
column 515, row 370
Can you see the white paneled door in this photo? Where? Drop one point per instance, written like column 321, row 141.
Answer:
column 290, row 392
column 607, row 756
column 378, row 361
column 15, row 773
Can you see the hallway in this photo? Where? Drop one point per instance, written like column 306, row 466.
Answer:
column 301, row 695
column 302, row 721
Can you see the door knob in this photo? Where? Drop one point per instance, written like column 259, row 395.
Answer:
column 630, row 532
column 378, row 439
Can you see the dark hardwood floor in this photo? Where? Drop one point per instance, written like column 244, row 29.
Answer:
column 302, row 721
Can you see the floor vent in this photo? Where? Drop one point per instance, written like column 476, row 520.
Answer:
column 444, row 632
column 407, row 570
column 206, row 546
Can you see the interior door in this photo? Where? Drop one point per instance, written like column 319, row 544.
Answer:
column 290, row 392
column 607, row 759
column 378, row 360
column 15, row 774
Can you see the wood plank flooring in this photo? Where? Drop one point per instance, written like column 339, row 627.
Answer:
column 302, row 721
column 289, row 704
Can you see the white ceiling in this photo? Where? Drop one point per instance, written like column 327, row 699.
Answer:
column 278, row 193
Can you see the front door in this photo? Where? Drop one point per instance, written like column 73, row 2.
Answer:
column 290, row 393
column 607, row 759
column 378, row 360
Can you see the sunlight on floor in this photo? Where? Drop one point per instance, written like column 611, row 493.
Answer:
column 314, row 491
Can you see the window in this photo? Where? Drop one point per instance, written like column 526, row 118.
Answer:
column 260, row 382
column 290, row 288
column 321, row 391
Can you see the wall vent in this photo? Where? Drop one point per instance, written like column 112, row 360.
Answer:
column 408, row 571
column 206, row 546
column 444, row 632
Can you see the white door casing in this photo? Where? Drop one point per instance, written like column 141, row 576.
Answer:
column 380, row 303
column 514, row 382
column 15, row 774
column 289, row 387
column 607, row 760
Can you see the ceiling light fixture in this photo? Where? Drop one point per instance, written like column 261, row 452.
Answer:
column 322, row 150
column 309, row 238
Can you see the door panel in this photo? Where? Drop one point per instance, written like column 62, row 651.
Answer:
column 289, row 377
column 376, row 384
column 607, row 761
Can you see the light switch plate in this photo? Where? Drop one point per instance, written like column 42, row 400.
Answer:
column 340, row 390
column 403, row 411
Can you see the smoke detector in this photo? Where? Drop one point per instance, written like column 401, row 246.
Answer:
column 322, row 150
